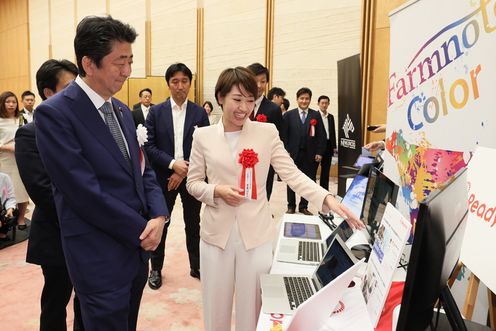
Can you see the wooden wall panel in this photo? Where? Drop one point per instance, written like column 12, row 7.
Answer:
column 375, row 96
column 14, row 50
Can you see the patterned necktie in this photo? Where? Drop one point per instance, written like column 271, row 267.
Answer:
column 303, row 117
column 113, row 126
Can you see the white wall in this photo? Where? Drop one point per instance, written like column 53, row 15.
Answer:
column 309, row 37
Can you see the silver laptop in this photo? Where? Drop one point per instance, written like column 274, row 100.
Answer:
column 313, row 313
column 284, row 293
column 310, row 251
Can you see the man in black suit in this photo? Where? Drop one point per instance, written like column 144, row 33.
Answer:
column 330, row 130
column 304, row 139
column 170, row 126
column 264, row 106
column 141, row 109
column 44, row 245
column 276, row 95
column 28, row 100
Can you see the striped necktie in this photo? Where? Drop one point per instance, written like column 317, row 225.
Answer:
column 303, row 117
column 113, row 126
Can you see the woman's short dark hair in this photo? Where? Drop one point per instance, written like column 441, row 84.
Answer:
column 3, row 109
column 238, row 76
column 95, row 36
column 208, row 103
column 48, row 75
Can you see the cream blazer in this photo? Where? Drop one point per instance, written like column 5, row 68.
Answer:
column 211, row 157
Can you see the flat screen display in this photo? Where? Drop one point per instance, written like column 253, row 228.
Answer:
column 354, row 197
column 335, row 262
column 301, row 230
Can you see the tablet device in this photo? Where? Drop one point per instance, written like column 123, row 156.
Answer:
column 301, row 230
column 362, row 160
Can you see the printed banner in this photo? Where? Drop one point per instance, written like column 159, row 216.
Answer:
column 480, row 233
column 441, row 93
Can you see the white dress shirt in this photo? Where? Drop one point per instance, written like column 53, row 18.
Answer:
column 258, row 102
column 178, row 117
column 145, row 110
column 325, row 121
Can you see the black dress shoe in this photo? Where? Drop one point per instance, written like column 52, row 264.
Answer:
column 195, row 273
column 155, row 279
column 22, row 227
column 290, row 210
column 305, row 211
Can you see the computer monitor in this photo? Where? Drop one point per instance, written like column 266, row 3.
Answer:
column 435, row 251
column 380, row 191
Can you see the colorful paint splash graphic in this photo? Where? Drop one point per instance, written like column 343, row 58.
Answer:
column 422, row 169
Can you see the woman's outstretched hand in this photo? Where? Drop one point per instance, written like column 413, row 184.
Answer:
column 343, row 212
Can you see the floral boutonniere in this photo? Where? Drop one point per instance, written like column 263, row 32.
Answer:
column 262, row 118
column 248, row 158
column 313, row 123
column 142, row 136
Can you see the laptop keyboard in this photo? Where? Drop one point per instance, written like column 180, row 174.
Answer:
column 298, row 289
column 309, row 251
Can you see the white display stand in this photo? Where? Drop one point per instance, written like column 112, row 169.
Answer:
column 352, row 312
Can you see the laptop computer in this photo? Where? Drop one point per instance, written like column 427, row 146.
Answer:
column 314, row 313
column 284, row 293
column 311, row 251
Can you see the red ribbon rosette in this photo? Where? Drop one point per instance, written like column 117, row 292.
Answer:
column 261, row 118
column 313, row 123
column 248, row 158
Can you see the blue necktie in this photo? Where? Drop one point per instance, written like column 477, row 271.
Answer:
column 303, row 117
column 114, row 128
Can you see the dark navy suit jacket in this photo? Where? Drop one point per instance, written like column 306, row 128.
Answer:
column 296, row 135
column 44, row 245
column 160, row 145
column 103, row 201
column 273, row 113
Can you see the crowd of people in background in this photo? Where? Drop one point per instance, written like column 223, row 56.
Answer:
column 56, row 153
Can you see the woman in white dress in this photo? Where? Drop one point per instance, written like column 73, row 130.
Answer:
column 9, row 123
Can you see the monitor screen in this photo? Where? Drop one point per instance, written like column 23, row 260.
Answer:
column 362, row 160
column 353, row 199
column 380, row 191
column 435, row 251
column 335, row 262
column 301, row 230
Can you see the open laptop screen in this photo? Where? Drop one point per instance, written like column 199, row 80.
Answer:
column 380, row 191
column 335, row 262
column 353, row 199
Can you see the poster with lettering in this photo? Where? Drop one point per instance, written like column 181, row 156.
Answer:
column 440, row 93
column 480, row 233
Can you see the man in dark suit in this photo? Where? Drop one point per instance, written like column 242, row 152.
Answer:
column 330, row 130
column 170, row 126
column 141, row 109
column 276, row 95
column 111, row 212
column 304, row 139
column 28, row 100
column 263, row 106
column 44, row 245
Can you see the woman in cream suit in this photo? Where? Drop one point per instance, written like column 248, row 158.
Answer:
column 237, row 231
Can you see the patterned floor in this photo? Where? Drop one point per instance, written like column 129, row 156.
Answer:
column 176, row 306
